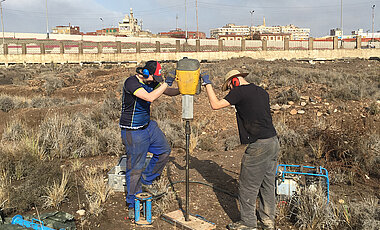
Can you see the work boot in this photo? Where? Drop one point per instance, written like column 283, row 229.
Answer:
column 131, row 213
column 266, row 225
column 239, row 226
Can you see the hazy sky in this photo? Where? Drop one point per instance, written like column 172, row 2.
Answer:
column 160, row 15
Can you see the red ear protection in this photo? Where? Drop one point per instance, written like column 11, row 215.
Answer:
column 235, row 82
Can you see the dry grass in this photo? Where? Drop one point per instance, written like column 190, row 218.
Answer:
column 310, row 210
column 97, row 190
column 52, row 83
column 14, row 131
column 76, row 165
column 6, row 103
column 364, row 214
column 95, row 185
column 94, row 205
column 31, row 144
column 163, row 204
column 57, row 193
column 4, row 193
column 292, row 144
column 318, row 148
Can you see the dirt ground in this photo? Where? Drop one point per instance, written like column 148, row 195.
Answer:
column 217, row 167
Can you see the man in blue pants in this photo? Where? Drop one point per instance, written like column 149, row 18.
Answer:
column 139, row 134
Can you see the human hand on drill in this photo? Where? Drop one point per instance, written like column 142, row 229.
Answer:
column 170, row 79
column 205, row 78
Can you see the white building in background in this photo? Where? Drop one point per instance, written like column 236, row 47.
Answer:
column 367, row 34
column 295, row 32
column 229, row 29
column 130, row 26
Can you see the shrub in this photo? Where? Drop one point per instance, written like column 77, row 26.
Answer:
column 95, row 185
column 231, row 142
column 56, row 193
column 292, row 143
column 207, row 143
column 43, row 102
column 368, row 153
column 174, row 132
column 14, row 131
column 310, row 210
column 373, row 109
column 6, row 103
column 52, row 83
column 287, row 95
column 164, row 110
column 31, row 175
column 365, row 214
column 162, row 205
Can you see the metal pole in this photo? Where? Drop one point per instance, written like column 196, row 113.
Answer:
column 373, row 21
column 2, row 22
column 187, row 131
column 185, row 21
column 47, row 22
column 196, row 7
column 341, row 22
column 250, row 28
column 176, row 22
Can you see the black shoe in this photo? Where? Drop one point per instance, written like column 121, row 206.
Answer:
column 131, row 214
column 266, row 226
column 239, row 226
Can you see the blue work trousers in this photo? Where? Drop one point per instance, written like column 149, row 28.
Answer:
column 137, row 144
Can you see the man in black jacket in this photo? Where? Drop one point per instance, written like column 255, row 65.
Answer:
column 258, row 166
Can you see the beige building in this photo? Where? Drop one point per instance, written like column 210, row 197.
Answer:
column 295, row 32
column 66, row 30
column 229, row 29
column 130, row 26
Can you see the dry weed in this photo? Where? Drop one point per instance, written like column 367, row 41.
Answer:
column 31, row 144
column 95, row 185
column 318, row 148
column 310, row 210
column 4, row 184
column 14, row 131
column 76, row 165
column 6, row 103
column 57, row 193
column 162, row 204
column 94, row 205
column 365, row 214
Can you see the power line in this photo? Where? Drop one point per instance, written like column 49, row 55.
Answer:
column 283, row 7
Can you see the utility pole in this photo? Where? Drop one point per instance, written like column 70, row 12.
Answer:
column 2, row 22
column 341, row 22
column 47, row 22
column 373, row 21
column 196, row 9
column 250, row 28
column 185, row 22
column 176, row 22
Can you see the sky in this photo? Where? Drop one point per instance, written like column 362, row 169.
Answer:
column 160, row 15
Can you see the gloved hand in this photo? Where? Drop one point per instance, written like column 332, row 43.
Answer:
column 205, row 78
column 158, row 78
column 169, row 80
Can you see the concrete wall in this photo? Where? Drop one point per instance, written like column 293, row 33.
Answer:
column 138, row 57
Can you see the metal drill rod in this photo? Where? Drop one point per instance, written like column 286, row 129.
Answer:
column 187, row 131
